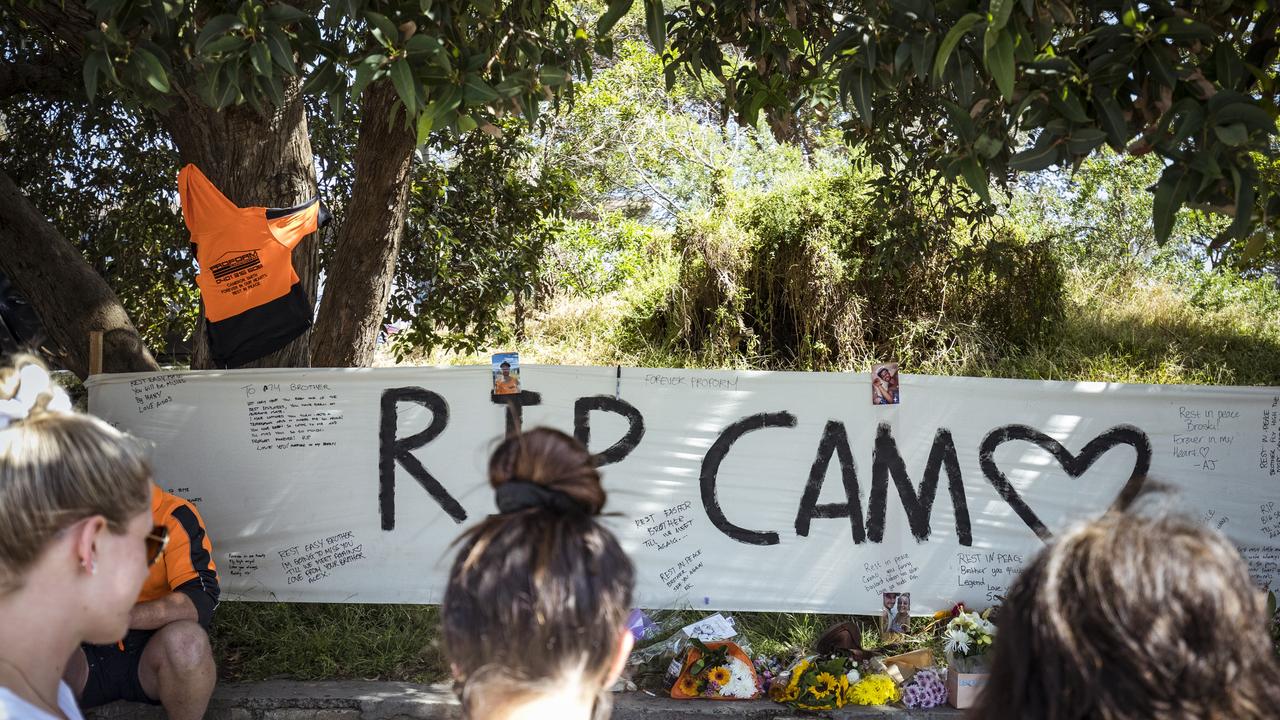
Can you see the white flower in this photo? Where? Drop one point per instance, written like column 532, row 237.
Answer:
column 986, row 626
column 853, row 676
column 741, row 684
column 957, row 640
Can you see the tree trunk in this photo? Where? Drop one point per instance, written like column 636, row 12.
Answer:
column 256, row 161
column 358, row 282
column 70, row 298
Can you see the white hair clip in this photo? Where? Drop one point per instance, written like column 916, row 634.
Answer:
column 33, row 384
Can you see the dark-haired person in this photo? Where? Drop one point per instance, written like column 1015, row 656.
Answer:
column 165, row 659
column 75, row 538
column 534, row 617
column 1133, row 617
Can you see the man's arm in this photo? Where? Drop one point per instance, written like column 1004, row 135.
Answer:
column 156, row 614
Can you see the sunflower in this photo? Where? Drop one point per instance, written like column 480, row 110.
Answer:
column 688, row 685
column 824, row 685
column 719, row 675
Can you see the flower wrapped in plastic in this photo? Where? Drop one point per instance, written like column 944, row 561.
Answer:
column 968, row 637
column 816, row 683
column 716, row 671
column 876, row 689
column 926, row 689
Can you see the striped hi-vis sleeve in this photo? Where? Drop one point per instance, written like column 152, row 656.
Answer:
column 188, row 559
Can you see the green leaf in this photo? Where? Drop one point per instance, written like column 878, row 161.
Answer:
column 1159, row 67
column 231, row 90
column 284, row 13
column 402, row 78
column 1244, row 183
column 1228, row 66
column 152, row 69
column 656, row 24
column 1235, row 134
column 274, row 89
column 999, row 11
column 421, row 44
column 366, row 71
column 281, row 50
column 476, row 91
column 437, row 112
column 226, row 44
column 988, row 146
column 1246, row 112
column 218, row 26
column 92, row 68
column 976, row 177
column 551, row 76
column 1067, row 102
column 1112, row 120
column 321, row 80
column 384, row 31
column 1038, row 157
column 260, row 56
column 1188, row 119
column 485, row 7
column 953, row 38
column 1084, row 140
column 616, row 11
column 1182, row 28
column 1001, row 66
column 1171, row 192
column 426, row 121
column 960, row 121
column 860, row 86
column 466, row 123
column 901, row 57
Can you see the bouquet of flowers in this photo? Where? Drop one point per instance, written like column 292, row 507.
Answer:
column 968, row 638
column 878, row 689
column 716, row 671
column 829, row 683
column 815, row 683
column 926, row 689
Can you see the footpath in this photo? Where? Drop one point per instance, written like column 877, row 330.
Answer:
column 358, row 700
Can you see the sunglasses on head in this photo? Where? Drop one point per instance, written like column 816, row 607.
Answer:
column 157, row 539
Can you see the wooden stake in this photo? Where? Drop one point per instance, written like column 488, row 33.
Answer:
column 95, row 352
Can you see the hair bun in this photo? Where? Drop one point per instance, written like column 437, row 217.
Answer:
column 517, row 495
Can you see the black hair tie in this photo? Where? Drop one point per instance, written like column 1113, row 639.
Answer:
column 518, row 495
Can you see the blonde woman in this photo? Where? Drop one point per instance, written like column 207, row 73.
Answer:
column 75, row 538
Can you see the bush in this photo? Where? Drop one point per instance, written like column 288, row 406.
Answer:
column 807, row 276
column 590, row 258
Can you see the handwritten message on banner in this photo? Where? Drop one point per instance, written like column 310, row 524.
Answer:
column 737, row 490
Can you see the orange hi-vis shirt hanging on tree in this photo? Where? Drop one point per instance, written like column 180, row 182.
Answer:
column 253, row 300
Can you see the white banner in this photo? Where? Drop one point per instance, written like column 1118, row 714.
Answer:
column 738, row 490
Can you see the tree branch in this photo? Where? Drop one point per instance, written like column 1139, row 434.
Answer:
column 68, row 296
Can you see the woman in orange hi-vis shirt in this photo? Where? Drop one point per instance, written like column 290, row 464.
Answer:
column 253, row 300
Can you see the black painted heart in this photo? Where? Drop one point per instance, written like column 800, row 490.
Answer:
column 1075, row 465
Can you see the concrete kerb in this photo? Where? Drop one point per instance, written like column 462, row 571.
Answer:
column 356, row 700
